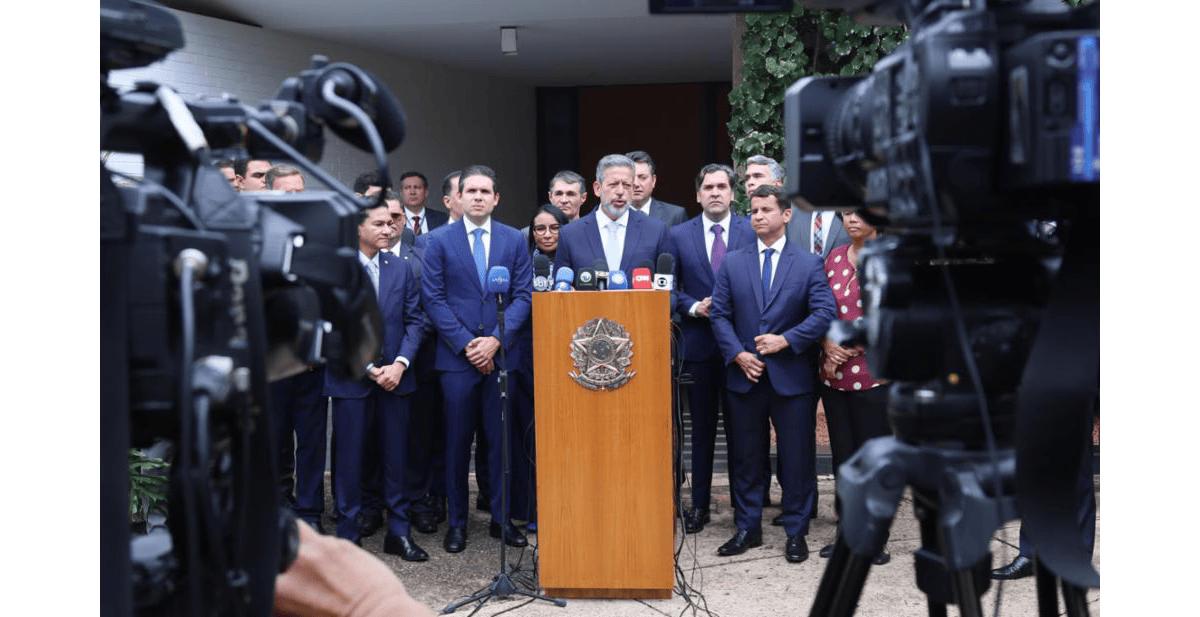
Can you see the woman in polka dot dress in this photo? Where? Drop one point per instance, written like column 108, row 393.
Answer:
column 855, row 403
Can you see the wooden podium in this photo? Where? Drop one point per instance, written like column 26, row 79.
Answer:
column 604, row 490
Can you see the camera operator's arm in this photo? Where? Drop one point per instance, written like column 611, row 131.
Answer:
column 334, row 578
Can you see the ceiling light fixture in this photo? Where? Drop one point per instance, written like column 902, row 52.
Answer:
column 508, row 40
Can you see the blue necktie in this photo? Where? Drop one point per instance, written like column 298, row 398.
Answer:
column 766, row 273
column 480, row 257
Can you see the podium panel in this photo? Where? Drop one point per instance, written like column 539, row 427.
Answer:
column 604, row 490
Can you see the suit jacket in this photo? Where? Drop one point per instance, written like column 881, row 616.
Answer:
column 579, row 244
column 670, row 214
column 455, row 302
column 799, row 232
column 695, row 279
column 800, row 307
column 403, row 326
column 426, row 355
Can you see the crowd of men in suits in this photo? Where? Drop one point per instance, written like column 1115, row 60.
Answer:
column 751, row 298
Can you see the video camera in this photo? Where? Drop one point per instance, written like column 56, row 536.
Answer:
column 208, row 294
column 974, row 147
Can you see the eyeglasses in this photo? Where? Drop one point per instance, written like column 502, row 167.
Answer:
column 541, row 229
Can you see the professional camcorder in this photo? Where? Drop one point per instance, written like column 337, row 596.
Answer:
column 208, row 294
column 974, row 147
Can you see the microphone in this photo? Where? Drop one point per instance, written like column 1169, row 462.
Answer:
column 641, row 278
column 601, row 269
column 618, row 280
column 498, row 282
column 563, row 280
column 585, row 280
column 541, row 273
column 664, row 272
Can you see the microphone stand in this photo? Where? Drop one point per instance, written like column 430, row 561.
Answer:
column 502, row 585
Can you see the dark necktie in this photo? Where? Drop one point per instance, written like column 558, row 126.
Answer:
column 718, row 248
column 417, row 225
column 766, row 273
column 818, row 242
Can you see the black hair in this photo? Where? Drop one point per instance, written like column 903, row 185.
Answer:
column 552, row 210
column 640, row 156
column 414, row 174
column 478, row 170
column 366, row 180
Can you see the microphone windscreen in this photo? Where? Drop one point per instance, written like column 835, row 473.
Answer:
column 497, row 280
column 564, row 275
column 618, row 280
column 586, row 279
column 666, row 264
column 642, row 278
column 541, row 265
column 562, row 286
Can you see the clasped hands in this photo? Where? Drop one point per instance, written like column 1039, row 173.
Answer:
column 387, row 377
column 764, row 344
column 480, row 353
column 835, row 357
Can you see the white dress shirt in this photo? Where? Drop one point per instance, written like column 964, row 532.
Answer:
column 487, row 237
column 826, row 223
column 409, row 214
column 374, row 261
column 645, row 209
column 612, row 253
column 778, row 246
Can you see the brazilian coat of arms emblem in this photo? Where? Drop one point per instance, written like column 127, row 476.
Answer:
column 602, row 352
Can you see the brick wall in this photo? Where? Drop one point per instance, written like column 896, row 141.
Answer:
column 455, row 118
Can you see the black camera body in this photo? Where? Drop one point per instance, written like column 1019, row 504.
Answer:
column 998, row 106
column 207, row 295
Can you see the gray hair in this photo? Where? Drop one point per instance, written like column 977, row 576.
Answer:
column 614, row 160
column 772, row 164
column 569, row 177
column 281, row 171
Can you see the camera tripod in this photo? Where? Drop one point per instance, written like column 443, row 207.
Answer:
column 957, row 511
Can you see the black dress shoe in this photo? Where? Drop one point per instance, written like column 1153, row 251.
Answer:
column 882, row 558
column 826, row 551
column 369, row 522
column 694, row 520
column 425, row 522
column 740, row 542
column 456, row 540
column 777, row 521
column 797, row 549
column 404, row 547
column 512, row 535
column 1020, row 567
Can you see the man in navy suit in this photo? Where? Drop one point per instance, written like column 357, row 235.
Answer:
column 644, row 180
column 382, row 393
column 614, row 233
column 454, row 289
column 700, row 246
column 771, row 307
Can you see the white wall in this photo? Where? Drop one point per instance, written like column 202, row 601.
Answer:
column 454, row 118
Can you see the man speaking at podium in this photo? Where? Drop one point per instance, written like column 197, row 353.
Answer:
column 454, row 290
column 770, row 308
column 614, row 233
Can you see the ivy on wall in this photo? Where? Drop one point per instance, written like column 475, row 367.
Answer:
column 778, row 49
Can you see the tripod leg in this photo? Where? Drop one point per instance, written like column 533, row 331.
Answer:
column 842, row 583
column 1047, row 590
column 1076, row 600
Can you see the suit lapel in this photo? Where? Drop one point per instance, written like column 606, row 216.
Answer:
column 787, row 258
column 836, row 231
column 754, row 275
column 462, row 247
column 387, row 275
column 593, row 234
column 698, row 245
column 741, row 234
column 633, row 232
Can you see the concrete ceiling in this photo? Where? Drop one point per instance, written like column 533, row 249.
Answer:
column 560, row 42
